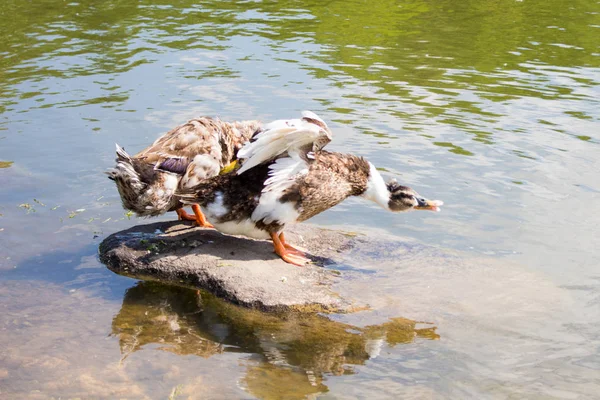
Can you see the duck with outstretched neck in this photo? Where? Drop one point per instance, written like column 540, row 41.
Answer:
column 284, row 176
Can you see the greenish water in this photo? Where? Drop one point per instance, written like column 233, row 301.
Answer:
column 490, row 106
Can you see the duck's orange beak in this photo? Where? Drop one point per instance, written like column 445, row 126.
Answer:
column 431, row 205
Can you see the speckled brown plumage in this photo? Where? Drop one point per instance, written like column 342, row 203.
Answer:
column 331, row 178
column 240, row 195
column 183, row 157
column 218, row 139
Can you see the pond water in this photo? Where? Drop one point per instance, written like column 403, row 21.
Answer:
column 490, row 106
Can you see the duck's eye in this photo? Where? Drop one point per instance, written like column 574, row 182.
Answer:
column 421, row 202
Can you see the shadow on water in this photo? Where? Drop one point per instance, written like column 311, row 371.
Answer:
column 290, row 354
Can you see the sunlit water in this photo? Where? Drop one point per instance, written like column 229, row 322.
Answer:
column 491, row 106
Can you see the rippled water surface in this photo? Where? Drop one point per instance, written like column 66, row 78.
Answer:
column 491, row 106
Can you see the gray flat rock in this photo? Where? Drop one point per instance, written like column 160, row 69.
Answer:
column 241, row 270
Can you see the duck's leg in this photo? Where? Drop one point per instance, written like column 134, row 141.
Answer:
column 200, row 218
column 289, row 247
column 183, row 216
column 285, row 254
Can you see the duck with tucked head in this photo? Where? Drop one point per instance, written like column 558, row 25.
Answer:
column 182, row 158
column 286, row 177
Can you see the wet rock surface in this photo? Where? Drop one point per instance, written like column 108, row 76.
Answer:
column 240, row 270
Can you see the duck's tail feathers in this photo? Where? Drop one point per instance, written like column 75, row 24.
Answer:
column 187, row 198
column 122, row 154
column 309, row 133
column 125, row 170
column 190, row 195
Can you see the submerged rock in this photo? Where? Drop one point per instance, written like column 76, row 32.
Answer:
column 241, row 270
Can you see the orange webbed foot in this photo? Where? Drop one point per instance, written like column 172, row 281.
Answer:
column 294, row 259
column 289, row 247
column 288, row 253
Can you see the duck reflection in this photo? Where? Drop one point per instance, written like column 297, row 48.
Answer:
column 291, row 352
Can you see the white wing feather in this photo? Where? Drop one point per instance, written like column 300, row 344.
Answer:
column 283, row 173
column 283, row 136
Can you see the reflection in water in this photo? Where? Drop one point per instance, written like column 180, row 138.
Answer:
column 290, row 353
